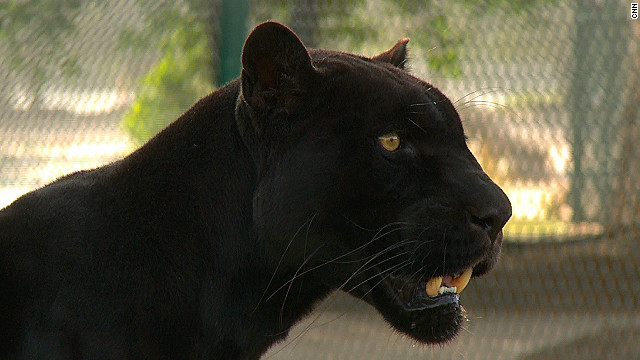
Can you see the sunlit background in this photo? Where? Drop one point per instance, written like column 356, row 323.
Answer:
column 548, row 91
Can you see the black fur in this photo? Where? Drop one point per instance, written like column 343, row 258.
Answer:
column 221, row 232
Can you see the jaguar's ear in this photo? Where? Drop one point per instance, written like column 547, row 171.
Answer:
column 275, row 63
column 397, row 55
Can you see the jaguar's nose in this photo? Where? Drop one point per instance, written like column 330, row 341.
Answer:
column 490, row 219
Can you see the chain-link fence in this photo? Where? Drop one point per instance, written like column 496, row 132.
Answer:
column 549, row 93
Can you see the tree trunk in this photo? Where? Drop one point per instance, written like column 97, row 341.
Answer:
column 626, row 200
column 304, row 21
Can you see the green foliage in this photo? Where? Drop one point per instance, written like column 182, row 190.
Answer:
column 515, row 6
column 173, row 84
column 185, row 72
column 446, row 57
column 433, row 26
column 34, row 30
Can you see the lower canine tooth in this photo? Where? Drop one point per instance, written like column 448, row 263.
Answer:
column 462, row 281
column 433, row 285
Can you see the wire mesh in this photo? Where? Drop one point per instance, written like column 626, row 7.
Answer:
column 548, row 91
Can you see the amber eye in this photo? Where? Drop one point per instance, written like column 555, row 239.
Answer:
column 390, row 142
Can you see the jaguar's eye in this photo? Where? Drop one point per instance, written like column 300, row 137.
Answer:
column 390, row 142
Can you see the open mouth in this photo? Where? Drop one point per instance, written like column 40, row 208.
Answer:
column 428, row 293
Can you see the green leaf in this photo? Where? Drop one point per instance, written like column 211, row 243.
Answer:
column 179, row 79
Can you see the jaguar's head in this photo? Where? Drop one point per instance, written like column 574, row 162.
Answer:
column 370, row 165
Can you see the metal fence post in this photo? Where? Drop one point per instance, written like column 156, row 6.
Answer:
column 579, row 109
column 233, row 27
column 596, row 93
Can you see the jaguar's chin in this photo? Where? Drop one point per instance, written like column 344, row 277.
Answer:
column 426, row 309
column 432, row 325
column 420, row 295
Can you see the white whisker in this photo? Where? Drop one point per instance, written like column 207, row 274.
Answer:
column 281, row 259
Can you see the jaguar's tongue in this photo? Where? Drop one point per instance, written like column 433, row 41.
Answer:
column 448, row 284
